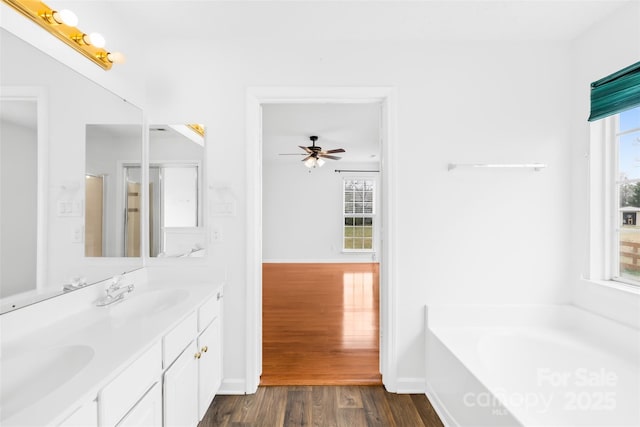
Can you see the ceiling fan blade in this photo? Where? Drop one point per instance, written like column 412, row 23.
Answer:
column 306, row 149
column 292, row 154
column 337, row 150
column 326, row 156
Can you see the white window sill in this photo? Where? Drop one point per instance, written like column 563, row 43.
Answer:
column 613, row 284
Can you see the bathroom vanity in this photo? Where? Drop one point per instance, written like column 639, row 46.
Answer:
column 76, row 349
column 152, row 359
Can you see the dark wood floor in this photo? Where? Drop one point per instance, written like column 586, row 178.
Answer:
column 322, row 406
column 320, row 324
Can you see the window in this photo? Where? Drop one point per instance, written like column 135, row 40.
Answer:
column 626, row 256
column 358, row 214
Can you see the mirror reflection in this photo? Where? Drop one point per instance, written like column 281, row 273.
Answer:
column 18, row 195
column 112, row 190
column 42, row 192
column 176, row 157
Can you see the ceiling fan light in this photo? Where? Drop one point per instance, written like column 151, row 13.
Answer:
column 320, row 162
column 310, row 162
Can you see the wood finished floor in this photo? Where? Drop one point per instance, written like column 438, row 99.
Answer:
column 320, row 324
column 321, row 406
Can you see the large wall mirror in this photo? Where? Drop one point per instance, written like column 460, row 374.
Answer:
column 176, row 159
column 57, row 129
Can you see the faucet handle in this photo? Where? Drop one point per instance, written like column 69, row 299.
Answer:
column 115, row 284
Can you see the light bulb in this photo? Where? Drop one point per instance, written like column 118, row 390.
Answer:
column 95, row 39
column 65, row 16
column 320, row 162
column 310, row 162
column 116, row 57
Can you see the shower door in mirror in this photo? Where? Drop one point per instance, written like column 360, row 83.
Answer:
column 113, row 196
column 94, row 215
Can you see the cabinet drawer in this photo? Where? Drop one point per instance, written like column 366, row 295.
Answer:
column 147, row 412
column 85, row 416
column 179, row 337
column 121, row 394
column 209, row 311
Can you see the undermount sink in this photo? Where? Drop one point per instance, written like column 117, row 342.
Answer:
column 29, row 377
column 148, row 303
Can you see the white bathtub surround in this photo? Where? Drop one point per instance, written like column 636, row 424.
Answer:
column 531, row 365
column 48, row 372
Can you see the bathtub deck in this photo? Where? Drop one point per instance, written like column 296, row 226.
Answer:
column 532, row 366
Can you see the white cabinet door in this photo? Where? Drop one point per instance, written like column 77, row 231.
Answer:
column 117, row 398
column 209, row 366
column 85, row 416
column 181, row 390
column 147, row 412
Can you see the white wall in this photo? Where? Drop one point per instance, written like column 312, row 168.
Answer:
column 457, row 102
column 19, row 180
column 302, row 212
column 612, row 44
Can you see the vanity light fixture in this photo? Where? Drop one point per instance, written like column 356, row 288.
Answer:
column 197, row 128
column 64, row 16
column 62, row 24
column 192, row 131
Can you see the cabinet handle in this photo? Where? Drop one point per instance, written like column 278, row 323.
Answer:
column 204, row 349
column 198, row 355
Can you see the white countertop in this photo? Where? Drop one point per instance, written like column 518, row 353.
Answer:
column 116, row 342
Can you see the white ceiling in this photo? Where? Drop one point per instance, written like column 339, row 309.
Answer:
column 354, row 127
column 288, row 126
column 361, row 19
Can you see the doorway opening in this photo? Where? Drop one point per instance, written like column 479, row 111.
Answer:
column 320, row 241
column 256, row 99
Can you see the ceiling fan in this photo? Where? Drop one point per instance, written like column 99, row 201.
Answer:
column 315, row 154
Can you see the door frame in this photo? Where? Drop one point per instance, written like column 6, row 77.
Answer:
column 39, row 95
column 255, row 98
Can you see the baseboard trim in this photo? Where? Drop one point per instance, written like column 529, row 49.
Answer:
column 410, row 385
column 232, row 387
column 320, row 261
column 353, row 260
column 438, row 406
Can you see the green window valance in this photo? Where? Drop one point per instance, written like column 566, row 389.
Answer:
column 615, row 93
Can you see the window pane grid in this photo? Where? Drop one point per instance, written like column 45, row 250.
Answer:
column 627, row 192
column 358, row 214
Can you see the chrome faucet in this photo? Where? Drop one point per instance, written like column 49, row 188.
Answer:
column 111, row 293
column 76, row 283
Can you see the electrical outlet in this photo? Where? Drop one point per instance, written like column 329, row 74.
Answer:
column 78, row 235
column 65, row 207
column 216, row 235
column 223, row 208
column 70, row 208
